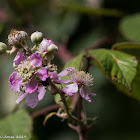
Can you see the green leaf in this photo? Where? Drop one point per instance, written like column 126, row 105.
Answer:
column 16, row 124
column 48, row 116
column 130, row 26
column 133, row 49
column 119, row 66
column 57, row 99
column 75, row 62
column 130, row 48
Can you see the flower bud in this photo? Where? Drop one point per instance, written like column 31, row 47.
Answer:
column 15, row 38
column 37, row 37
column 52, row 48
column 24, row 34
column 50, row 57
column 3, row 47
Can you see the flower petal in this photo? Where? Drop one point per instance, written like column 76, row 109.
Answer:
column 15, row 82
column 70, row 89
column 85, row 93
column 31, row 86
column 59, row 81
column 53, row 75
column 32, row 99
column 45, row 44
column 36, row 60
column 19, row 58
column 65, row 72
column 42, row 91
column 21, row 97
column 42, row 74
column 93, row 94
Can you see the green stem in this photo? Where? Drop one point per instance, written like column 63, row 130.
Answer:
column 62, row 95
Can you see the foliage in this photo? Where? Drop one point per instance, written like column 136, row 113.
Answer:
column 129, row 27
column 17, row 125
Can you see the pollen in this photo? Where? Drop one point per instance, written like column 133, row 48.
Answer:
column 81, row 77
column 25, row 70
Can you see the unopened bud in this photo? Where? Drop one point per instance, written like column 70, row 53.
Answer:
column 50, row 57
column 3, row 47
column 52, row 48
column 37, row 37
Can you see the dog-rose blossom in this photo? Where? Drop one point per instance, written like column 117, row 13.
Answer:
column 79, row 79
column 25, row 79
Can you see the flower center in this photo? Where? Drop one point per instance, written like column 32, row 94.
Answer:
column 81, row 77
column 25, row 70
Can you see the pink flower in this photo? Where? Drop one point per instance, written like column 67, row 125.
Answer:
column 24, row 79
column 79, row 79
column 44, row 45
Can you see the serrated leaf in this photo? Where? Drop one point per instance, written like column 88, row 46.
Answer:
column 130, row 48
column 119, row 66
column 133, row 49
column 15, row 125
column 130, row 26
column 48, row 116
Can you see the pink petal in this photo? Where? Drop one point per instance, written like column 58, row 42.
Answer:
column 19, row 58
column 85, row 93
column 42, row 74
column 31, row 86
column 93, row 94
column 42, row 91
column 32, row 99
column 65, row 72
column 15, row 82
column 59, row 81
column 53, row 75
column 70, row 89
column 45, row 44
column 21, row 97
column 36, row 60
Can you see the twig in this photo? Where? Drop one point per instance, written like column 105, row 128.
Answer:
column 102, row 41
column 45, row 110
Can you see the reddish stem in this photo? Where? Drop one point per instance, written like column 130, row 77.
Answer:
column 45, row 111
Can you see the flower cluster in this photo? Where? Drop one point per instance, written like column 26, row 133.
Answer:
column 33, row 70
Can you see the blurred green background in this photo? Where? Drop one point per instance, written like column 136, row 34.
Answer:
column 75, row 25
